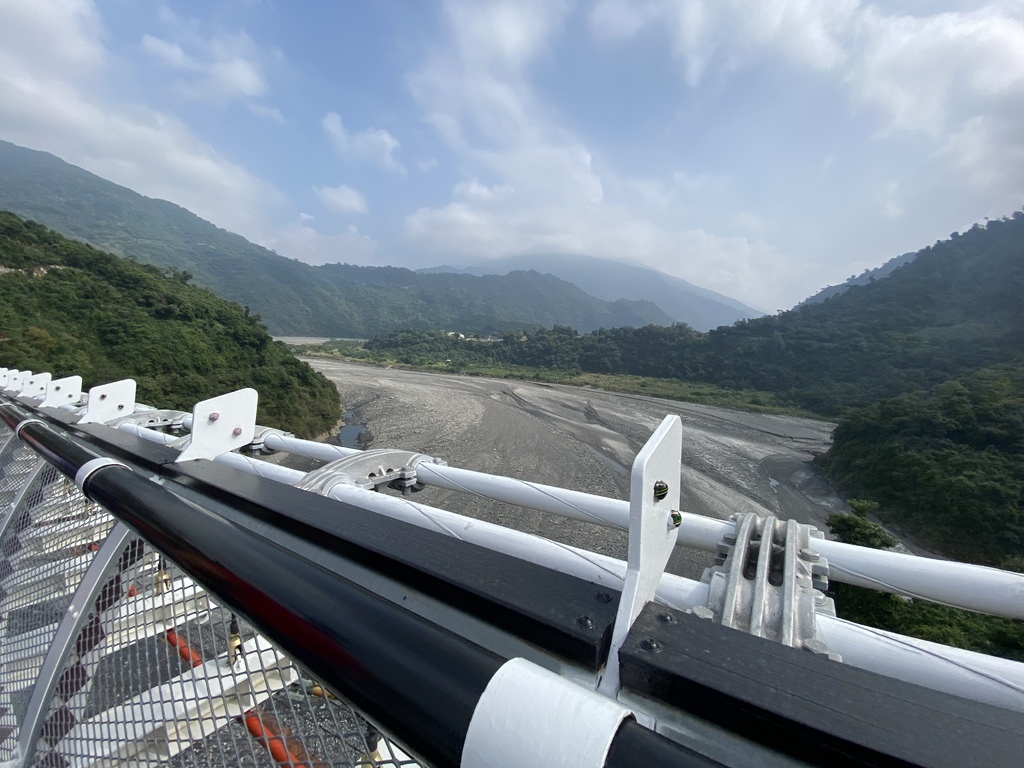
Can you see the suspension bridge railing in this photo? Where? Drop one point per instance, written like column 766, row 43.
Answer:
column 168, row 600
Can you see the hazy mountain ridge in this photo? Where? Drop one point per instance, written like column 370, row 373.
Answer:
column 864, row 278
column 681, row 300
column 292, row 298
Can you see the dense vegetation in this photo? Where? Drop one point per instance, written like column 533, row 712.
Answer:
column 947, row 463
column 293, row 298
column 68, row 308
column 924, row 368
column 917, row 618
column 955, row 308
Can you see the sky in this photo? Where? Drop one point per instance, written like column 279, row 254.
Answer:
column 759, row 148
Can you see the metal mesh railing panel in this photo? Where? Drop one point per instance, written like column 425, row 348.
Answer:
column 16, row 461
column 150, row 682
column 51, row 537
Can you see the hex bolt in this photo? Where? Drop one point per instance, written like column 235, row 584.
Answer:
column 603, row 597
column 650, row 644
column 666, row 618
column 675, row 519
column 236, row 431
column 660, row 490
column 586, row 622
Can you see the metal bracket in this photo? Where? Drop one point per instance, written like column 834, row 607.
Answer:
column 369, row 470
column 16, row 381
column 152, row 419
column 768, row 580
column 653, row 529
column 257, row 445
column 35, row 385
column 109, row 401
column 221, row 424
column 66, row 391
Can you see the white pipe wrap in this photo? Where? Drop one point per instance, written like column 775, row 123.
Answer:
column 528, row 715
column 963, row 673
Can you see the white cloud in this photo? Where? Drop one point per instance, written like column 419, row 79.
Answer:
column 342, row 199
column 171, row 54
column 728, row 34
column 923, row 72
column 735, row 266
column 475, row 90
column 67, row 32
column 270, row 113
column 426, row 165
column 219, row 68
column 474, row 190
column 374, row 144
column 892, row 201
column 302, row 241
column 50, row 100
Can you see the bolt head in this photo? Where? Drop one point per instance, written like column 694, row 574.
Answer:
column 675, row 519
column 650, row 644
column 214, row 416
column 603, row 597
column 236, row 431
column 660, row 490
column 666, row 618
column 585, row 621
column 103, row 397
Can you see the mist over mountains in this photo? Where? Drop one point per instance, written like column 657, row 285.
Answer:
column 343, row 300
column 681, row 300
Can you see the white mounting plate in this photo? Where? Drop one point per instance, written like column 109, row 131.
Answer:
column 109, row 401
column 652, row 535
column 36, row 384
column 222, row 424
column 16, row 381
column 67, row 391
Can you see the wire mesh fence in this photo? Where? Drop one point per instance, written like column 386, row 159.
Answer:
column 155, row 671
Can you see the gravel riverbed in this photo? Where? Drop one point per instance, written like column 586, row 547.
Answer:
column 586, row 440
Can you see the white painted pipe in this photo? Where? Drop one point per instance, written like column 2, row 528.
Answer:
column 963, row 673
column 961, row 585
column 974, row 676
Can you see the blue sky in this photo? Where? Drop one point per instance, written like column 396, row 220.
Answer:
column 760, row 149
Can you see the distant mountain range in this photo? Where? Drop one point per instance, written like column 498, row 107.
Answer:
column 291, row 297
column 865, row 277
column 684, row 302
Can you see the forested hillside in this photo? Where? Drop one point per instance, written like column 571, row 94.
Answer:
column 958, row 307
column 68, row 308
column 946, row 463
column 293, row 298
column 924, row 369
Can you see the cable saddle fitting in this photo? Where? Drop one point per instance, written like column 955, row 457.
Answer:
column 768, row 581
column 371, row 470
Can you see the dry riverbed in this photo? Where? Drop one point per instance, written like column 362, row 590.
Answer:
column 586, row 440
